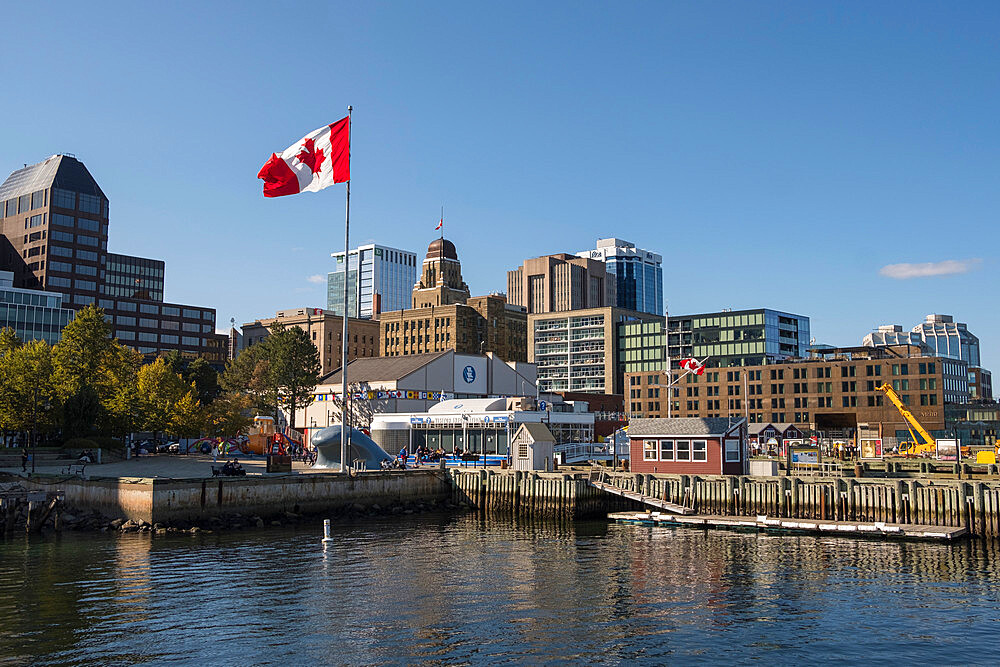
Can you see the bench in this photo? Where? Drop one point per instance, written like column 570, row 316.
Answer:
column 75, row 469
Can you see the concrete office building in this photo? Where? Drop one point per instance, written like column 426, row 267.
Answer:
column 638, row 274
column 32, row 314
column 325, row 329
column 738, row 337
column 578, row 351
column 445, row 317
column 54, row 236
column 561, row 282
column 386, row 283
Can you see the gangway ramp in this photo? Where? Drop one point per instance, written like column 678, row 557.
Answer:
column 597, row 481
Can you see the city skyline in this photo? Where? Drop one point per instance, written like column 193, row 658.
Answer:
column 844, row 157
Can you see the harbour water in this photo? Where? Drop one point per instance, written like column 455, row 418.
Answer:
column 445, row 589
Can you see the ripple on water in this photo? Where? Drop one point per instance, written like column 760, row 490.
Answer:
column 438, row 589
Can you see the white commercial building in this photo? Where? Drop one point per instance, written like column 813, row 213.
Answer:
column 481, row 426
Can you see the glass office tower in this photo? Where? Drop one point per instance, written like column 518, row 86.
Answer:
column 387, row 276
column 638, row 274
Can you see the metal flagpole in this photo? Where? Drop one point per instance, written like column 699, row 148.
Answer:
column 345, row 433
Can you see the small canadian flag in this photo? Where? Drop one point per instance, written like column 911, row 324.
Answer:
column 693, row 365
column 440, row 224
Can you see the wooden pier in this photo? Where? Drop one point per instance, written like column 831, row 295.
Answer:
column 917, row 505
column 36, row 507
column 875, row 529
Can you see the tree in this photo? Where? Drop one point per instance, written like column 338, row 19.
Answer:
column 295, row 367
column 8, row 341
column 281, row 371
column 160, row 392
column 84, row 347
column 29, row 398
column 122, row 404
column 79, row 357
column 187, row 418
column 199, row 371
column 250, row 375
column 229, row 415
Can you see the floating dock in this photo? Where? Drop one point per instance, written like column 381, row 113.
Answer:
column 876, row 529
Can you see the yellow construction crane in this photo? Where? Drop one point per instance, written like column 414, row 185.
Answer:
column 914, row 448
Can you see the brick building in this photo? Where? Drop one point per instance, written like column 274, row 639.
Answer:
column 829, row 394
column 326, row 331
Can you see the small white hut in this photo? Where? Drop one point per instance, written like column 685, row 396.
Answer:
column 532, row 447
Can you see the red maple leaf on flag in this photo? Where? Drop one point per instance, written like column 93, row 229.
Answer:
column 311, row 156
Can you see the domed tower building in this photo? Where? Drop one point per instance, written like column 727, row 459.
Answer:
column 441, row 281
column 445, row 317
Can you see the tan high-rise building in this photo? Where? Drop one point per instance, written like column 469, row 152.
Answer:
column 560, row 282
column 326, row 331
column 445, row 317
column 441, row 281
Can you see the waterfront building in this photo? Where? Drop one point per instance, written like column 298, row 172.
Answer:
column 689, row 446
column 577, row 350
column 445, row 317
column 32, row 314
column 738, row 337
column 414, row 383
column 481, row 426
column 386, row 280
column 638, row 274
column 54, row 235
column 325, row 329
column 832, row 395
column 561, row 282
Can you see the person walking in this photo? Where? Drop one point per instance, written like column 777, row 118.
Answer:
column 215, row 452
column 24, row 459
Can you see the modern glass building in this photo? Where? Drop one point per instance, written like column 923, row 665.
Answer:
column 387, row 276
column 638, row 274
column 941, row 333
column 739, row 338
column 32, row 314
column 642, row 346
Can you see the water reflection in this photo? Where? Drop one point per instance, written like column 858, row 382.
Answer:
column 428, row 589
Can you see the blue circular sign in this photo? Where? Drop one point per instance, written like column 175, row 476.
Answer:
column 469, row 374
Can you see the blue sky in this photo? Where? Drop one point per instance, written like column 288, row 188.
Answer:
column 777, row 154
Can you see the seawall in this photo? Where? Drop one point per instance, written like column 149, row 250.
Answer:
column 159, row 500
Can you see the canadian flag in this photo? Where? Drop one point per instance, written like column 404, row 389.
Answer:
column 440, row 224
column 693, row 365
column 316, row 161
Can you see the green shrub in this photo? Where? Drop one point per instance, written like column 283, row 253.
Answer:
column 105, row 442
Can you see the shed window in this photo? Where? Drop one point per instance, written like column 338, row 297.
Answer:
column 522, row 449
column 666, row 450
column 732, row 450
column 699, row 450
column 683, row 452
column 649, row 450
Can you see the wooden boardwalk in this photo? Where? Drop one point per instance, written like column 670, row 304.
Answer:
column 763, row 523
column 645, row 500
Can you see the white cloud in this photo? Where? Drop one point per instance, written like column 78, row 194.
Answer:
column 318, row 279
column 948, row 267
